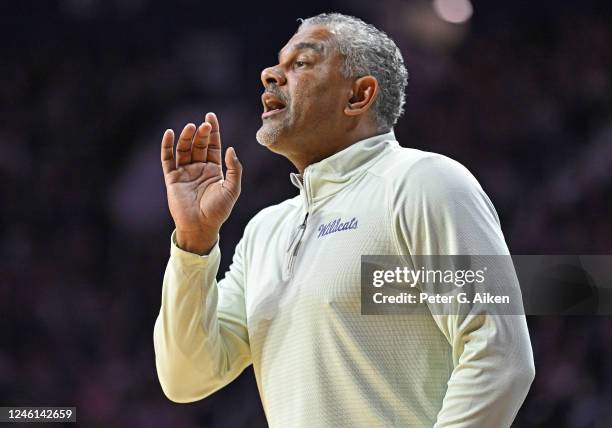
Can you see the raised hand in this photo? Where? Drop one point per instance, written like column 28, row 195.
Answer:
column 199, row 198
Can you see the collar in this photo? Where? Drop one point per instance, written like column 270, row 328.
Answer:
column 328, row 176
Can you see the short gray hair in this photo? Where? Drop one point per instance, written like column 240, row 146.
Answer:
column 369, row 51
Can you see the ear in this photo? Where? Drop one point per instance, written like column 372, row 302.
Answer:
column 363, row 92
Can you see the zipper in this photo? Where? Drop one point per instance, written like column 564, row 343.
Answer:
column 294, row 246
column 302, row 183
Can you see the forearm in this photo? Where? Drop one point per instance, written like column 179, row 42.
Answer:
column 493, row 374
column 197, row 349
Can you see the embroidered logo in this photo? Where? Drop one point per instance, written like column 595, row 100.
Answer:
column 336, row 226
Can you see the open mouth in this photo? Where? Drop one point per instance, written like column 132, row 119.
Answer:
column 272, row 105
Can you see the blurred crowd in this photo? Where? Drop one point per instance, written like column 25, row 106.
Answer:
column 521, row 95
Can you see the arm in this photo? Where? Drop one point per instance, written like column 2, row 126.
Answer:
column 492, row 358
column 200, row 336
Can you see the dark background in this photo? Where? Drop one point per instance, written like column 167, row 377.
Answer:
column 521, row 95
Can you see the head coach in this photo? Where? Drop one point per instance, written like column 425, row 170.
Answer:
column 290, row 302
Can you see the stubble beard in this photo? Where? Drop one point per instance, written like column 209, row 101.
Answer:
column 268, row 134
column 271, row 130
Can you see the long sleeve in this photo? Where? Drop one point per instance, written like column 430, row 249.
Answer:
column 200, row 336
column 448, row 213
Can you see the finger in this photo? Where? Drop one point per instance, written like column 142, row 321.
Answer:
column 214, row 141
column 183, row 147
column 200, row 143
column 167, row 155
column 233, row 175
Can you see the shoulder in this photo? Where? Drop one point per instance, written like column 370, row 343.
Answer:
column 417, row 172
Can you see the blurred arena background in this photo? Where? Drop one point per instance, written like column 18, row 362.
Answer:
column 520, row 92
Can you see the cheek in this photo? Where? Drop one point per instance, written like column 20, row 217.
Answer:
column 316, row 103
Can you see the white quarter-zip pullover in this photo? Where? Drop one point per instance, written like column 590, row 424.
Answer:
column 290, row 303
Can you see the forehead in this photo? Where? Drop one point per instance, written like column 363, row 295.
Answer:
column 314, row 37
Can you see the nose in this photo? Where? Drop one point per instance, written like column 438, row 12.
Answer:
column 272, row 75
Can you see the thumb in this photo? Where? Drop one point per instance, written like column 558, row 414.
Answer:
column 233, row 175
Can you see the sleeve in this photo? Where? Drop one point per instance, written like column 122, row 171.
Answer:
column 440, row 209
column 200, row 336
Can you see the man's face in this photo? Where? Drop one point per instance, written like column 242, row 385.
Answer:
column 305, row 94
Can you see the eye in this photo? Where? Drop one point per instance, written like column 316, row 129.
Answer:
column 299, row 64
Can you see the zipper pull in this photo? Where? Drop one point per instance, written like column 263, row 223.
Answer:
column 303, row 225
column 299, row 233
column 301, row 230
column 295, row 244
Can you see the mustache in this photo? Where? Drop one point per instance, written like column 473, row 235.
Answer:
column 274, row 91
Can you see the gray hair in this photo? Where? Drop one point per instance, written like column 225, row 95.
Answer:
column 369, row 51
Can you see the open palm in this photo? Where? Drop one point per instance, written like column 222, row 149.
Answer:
column 199, row 197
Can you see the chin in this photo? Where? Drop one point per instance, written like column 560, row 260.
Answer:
column 268, row 137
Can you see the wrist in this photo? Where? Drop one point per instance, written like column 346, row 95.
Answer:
column 198, row 242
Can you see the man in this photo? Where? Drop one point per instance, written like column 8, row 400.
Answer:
column 290, row 302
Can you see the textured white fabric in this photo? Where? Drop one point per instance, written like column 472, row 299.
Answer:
column 319, row 362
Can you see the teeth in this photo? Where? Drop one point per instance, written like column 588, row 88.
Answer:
column 274, row 105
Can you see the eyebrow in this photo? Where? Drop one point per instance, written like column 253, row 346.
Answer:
column 317, row 47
